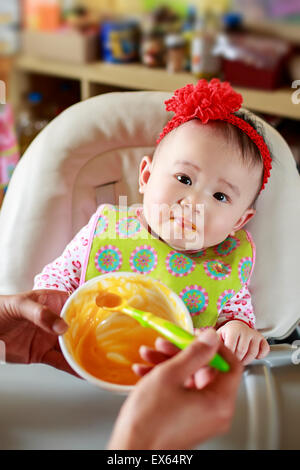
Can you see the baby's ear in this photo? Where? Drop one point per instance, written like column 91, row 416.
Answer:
column 144, row 172
column 248, row 214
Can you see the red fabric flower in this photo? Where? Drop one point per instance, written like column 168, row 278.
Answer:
column 205, row 101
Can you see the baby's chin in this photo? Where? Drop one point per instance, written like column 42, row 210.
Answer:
column 189, row 244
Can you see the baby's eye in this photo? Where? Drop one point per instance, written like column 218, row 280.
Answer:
column 221, row 197
column 184, row 179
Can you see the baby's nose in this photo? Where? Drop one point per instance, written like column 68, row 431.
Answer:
column 191, row 204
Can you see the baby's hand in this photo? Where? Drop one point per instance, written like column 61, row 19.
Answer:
column 246, row 343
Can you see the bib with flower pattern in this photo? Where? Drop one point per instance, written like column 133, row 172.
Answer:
column 205, row 280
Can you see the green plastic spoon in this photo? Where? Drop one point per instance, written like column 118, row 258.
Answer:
column 175, row 334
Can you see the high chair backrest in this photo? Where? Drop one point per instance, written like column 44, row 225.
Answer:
column 90, row 154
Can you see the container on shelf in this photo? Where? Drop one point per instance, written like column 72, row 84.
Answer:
column 49, row 15
column 9, row 27
column 233, row 22
column 66, row 45
column 175, row 53
column 204, row 62
column 119, row 41
column 43, row 15
column 254, row 61
column 152, row 49
column 188, row 32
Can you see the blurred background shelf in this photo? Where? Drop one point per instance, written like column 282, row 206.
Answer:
column 93, row 76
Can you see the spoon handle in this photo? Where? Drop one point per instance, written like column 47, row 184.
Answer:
column 174, row 333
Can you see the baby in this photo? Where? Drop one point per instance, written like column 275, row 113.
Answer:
column 199, row 190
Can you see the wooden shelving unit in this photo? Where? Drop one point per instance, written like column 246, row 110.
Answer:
column 137, row 77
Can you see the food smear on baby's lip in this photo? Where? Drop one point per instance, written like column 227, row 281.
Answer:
column 106, row 344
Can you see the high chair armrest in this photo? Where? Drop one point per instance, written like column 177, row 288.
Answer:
column 280, row 355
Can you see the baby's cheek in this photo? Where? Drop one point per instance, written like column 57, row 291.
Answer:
column 157, row 209
column 159, row 199
column 216, row 227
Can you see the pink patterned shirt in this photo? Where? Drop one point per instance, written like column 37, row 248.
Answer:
column 64, row 274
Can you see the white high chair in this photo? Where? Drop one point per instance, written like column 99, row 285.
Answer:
column 88, row 155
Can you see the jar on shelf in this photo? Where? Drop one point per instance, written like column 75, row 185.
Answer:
column 152, row 49
column 204, row 62
column 188, row 32
column 175, row 53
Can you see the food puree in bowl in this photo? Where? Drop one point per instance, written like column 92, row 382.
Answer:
column 106, row 344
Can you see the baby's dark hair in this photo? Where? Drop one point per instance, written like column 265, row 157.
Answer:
column 250, row 153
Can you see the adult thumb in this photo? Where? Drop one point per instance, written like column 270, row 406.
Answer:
column 38, row 314
column 194, row 357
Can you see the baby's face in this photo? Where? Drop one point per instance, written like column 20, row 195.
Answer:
column 197, row 190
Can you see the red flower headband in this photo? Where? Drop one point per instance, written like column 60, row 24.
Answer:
column 211, row 101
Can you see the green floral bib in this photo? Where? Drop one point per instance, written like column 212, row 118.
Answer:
column 205, row 281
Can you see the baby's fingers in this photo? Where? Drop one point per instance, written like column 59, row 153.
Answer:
column 264, row 349
column 252, row 352
column 242, row 348
column 230, row 340
column 258, row 349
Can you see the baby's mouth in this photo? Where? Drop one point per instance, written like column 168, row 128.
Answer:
column 184, row 223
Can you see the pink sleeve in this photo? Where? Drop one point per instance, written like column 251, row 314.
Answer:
column 239, row 307
column 65, row 271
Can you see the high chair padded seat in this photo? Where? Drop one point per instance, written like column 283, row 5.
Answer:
column 90, row 154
